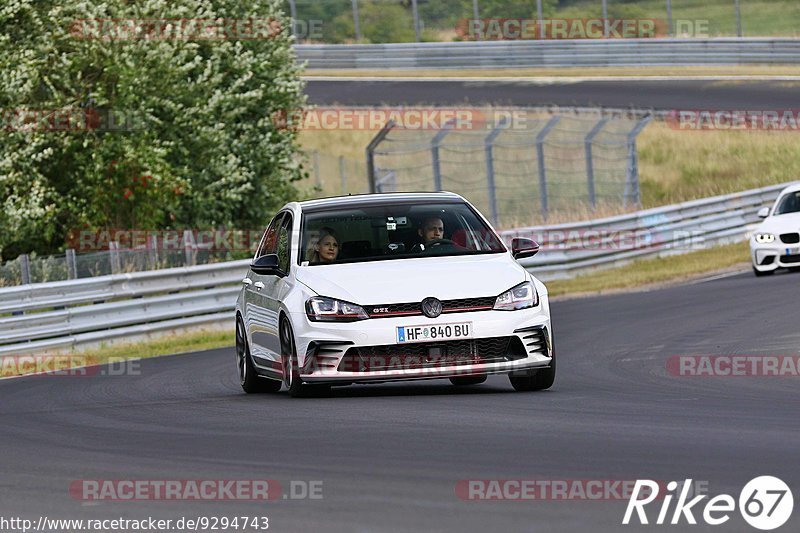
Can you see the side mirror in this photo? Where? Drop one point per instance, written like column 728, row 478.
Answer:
column 266, row 265
column 523, row 248
column 763, row 212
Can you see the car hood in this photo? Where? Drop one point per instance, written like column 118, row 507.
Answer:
column 790, row 222
column 412, row 280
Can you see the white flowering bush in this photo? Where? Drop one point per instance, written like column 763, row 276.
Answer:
column 191, row 144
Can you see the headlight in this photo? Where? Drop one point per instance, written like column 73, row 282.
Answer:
column 322, row 309
column 520, row 297
column 765, row 238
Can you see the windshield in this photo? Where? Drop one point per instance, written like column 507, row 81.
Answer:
column 790, row 203
column 374, row 233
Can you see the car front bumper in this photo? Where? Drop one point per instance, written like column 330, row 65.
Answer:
column 368, row 351
column 768, row 257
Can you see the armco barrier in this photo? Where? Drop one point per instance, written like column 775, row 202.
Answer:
column 666, row 230
column 65, row 314
column 552, row 53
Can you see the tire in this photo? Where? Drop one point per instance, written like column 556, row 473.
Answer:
column 760, row 274
column 291, row 368
column 534, row 379
column 463, row 381
column 250, row 381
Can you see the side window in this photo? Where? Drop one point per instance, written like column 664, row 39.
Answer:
column 269, row 243
column 284, row 243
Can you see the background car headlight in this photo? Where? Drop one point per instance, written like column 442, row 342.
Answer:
column 322, row 309
column 522, row 296
column 765, row 238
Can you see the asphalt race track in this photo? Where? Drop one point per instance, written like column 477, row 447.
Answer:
column 658, row 95
column 389, row 456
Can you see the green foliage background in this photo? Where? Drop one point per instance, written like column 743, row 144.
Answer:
column 206, row 154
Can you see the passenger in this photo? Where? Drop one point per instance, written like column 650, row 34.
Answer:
column 324, row 248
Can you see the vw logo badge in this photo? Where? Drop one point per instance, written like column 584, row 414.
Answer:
column 431, row 307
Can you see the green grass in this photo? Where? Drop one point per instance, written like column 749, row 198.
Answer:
column 654, row 271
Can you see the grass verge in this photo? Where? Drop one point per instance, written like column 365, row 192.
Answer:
column 192, row 341
column 654, row 272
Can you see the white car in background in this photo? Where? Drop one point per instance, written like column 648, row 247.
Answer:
column 420, row 286
column 776, row 241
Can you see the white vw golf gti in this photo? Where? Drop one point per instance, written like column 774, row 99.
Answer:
column 389, row 287
column 776, row 241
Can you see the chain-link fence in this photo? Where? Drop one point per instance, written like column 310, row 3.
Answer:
column 31, row 269
column 330, row 175
column 520, row 169
column 391, row 21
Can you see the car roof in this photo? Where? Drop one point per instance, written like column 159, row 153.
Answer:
column 791, row 188
column 356, row 200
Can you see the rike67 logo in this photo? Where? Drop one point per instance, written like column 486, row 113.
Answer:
column 765, row 503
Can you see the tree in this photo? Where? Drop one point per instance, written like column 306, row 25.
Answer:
column 192, row 142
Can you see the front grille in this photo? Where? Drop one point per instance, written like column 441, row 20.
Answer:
column 790, row 238
column 791, row 258
column 415, row 308
column 432, row 354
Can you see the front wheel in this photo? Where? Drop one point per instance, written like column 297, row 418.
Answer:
column 291, row 368
column 250, row 381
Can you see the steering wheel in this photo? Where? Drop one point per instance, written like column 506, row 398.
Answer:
column 439, row 242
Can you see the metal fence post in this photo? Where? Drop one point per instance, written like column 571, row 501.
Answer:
column 739, row 32
column 373, row 144
column 356, row 21
column 113, row 257
column 669, row 18
column 435, row 144
column 189, row 248
column 489, row 149
column 317, row 180
column 342, row 174
column 293, row 15
column 590, row 162
column 152, row 251
column 540, row 160
column 605, row 19
column 475, row 16
column 72, row 264
column 632, row 171
column 415, row 15
column 540, row 18
column 25, row 269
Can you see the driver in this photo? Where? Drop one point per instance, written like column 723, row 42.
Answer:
column 431, row 229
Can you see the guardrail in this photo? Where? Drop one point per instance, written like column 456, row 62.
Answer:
column 552, row 53
column 569, row 249
column 65, row 314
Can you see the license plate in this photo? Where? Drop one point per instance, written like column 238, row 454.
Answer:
column 439, row 332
